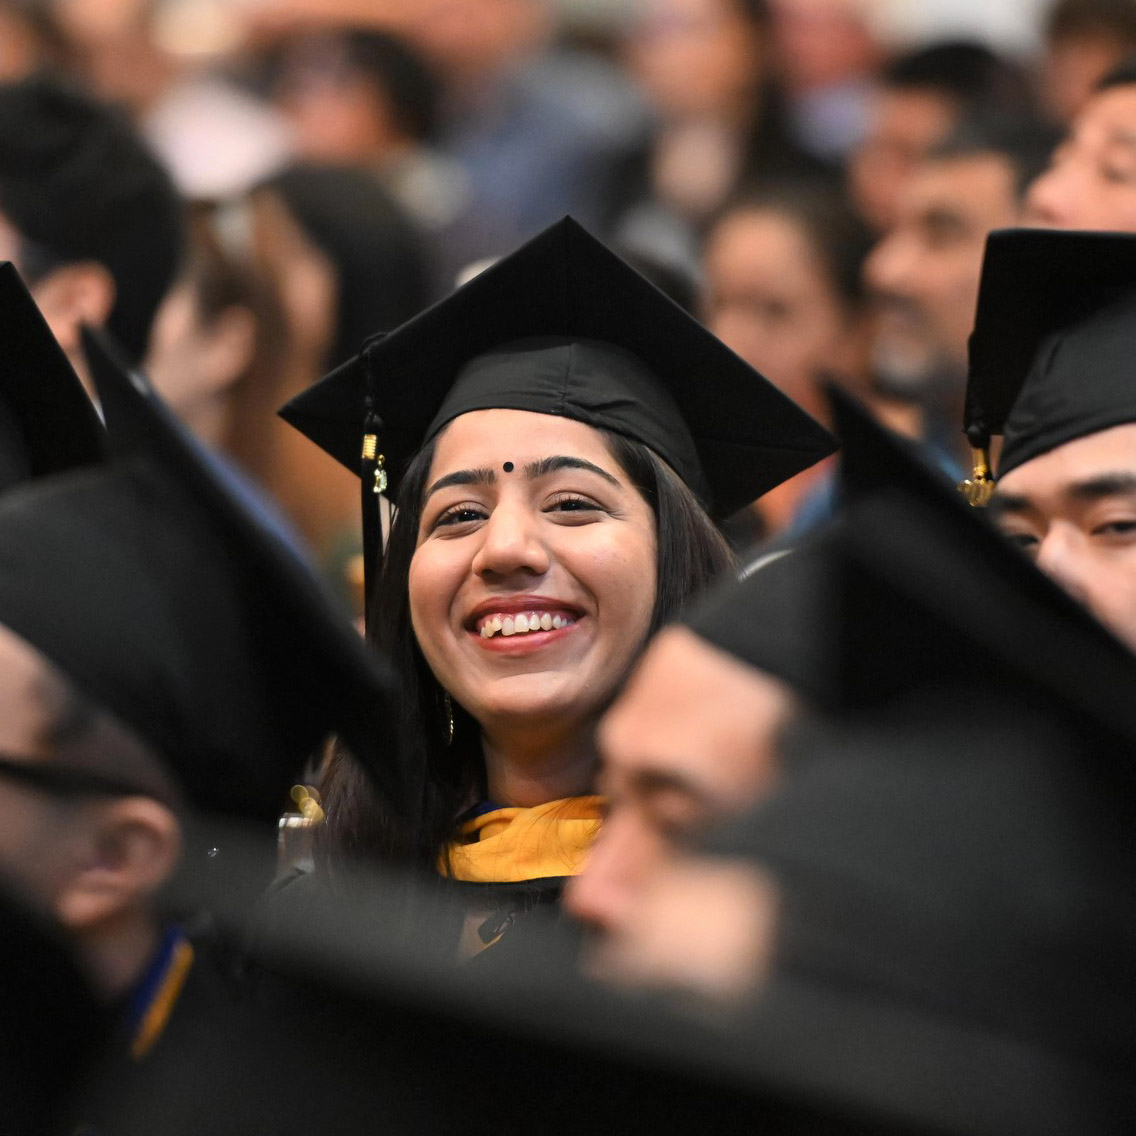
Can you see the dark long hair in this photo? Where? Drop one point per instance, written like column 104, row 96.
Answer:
column 690, row 552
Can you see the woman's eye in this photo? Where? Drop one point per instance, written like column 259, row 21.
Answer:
column 459, row 515
column 571, row 503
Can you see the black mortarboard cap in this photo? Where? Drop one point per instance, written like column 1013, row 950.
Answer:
column 166, row 590
column 563, row 326
column 778, row 617
column 47, row 422
column 539, row 1037
column 955, row 923
column 1053, row 342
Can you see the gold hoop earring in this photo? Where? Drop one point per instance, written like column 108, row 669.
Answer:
column 449, row 718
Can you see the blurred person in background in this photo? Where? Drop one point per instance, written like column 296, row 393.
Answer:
column 538, row 131
column 175, row 67
column 707, row 70
column 377, row 253
column 1084, row 41
column 366, row 97
column 341, row 260
column 827, row 53
column 217, row 336
column 113, row 50
column 783, row 287
column 87, row 214
column 1091, row 179
column 920, row 98
column 923, row 275
column 30, row 39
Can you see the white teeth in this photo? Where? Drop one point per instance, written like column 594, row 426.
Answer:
column 522, row 624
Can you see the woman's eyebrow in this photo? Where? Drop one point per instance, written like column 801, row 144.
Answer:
column 551, row 465
column 485, row 476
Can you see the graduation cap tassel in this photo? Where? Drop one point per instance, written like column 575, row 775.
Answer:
column 979, row 487
column 373, row 484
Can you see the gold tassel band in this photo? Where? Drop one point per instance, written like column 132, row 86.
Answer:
column 979, row 487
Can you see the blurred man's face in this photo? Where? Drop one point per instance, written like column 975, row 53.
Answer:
column 1091, row 180
column 1072, row 68
column 769, row 297
column 701, row 925
column 905, row 125
column 925, row 272
column 1073, row 510
column 691, row 740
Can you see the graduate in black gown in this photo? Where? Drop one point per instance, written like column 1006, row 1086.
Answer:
column 557, row 437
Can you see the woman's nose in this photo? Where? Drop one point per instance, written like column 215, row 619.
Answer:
column 511, row 542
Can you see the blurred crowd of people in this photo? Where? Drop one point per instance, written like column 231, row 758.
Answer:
column 588, row 295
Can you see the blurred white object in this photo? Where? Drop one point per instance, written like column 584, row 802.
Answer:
column 216, row 140
column 1009, row 25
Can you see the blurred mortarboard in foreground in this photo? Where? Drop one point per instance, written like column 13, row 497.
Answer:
column 952, row 959
column 782, row 615
column 1053, row 343
column 909, row 589
column 554, row 1048
column 932, row 588
column 563, row 326
column 162, row 587
column 955, row 931
column 47, row 422
column 53, row 1023
column 779, row 616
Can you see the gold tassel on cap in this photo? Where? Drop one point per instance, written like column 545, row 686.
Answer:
column 979, row 487
column 371, row 454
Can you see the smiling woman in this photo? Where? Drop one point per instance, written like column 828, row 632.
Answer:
column 553, row 464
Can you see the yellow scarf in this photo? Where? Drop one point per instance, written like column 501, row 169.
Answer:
column 514, row 844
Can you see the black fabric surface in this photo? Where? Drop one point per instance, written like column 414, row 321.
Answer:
column 47, row 422
column 167, row 594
